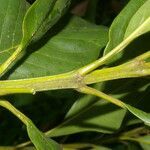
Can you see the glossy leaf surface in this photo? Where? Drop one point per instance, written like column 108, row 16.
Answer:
column 128, row 26
column 77, row 44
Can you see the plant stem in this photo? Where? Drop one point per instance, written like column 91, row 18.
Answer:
column 144, row 56
column 135, row 68
column 6, row 91
column 32, row 85
column 139, row 31
column 16, row 112
column 11, row 60
column 92, row 91
column 145, row 117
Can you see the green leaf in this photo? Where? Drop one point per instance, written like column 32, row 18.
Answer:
column 79, row 43
column 40, row 141
column 90, row 114
column 134, row 95
column 98, row 117
column 139, row 113
column 141, row 15
column 11, row 18
column 132, row 22
column 41, row 16
column 144, row 142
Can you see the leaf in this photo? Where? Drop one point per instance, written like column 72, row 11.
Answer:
column 135, row 96
column 99, row 117
column 11, row 18
column 144, row 142
column 142, row 15
column 132, row 22
column 139, row 113
column 39, row 140
column 141, row 92
column 141, row 105
column 90, row 114
column 87, row 113
column 41, row 16
column 79, row 43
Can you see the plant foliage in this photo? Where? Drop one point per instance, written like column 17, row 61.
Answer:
column 85, row 85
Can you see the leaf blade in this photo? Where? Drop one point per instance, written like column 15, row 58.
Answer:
column 68, row 48
column 145, row 117
column 123, row 31
column 11, row 26
column 41, row 17
column 40, row 141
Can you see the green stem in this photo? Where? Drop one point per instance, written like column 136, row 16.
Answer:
column 144, row 56
column 6, row 91
column 92, row 91
column 11, row 60
column 139, row 31
column 16, row 112
column 32, row 85
column 73, row 80
column 135, row 68
column 145, row 117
